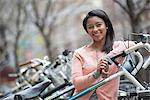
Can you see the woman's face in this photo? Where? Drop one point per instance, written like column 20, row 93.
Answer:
column 96, row 28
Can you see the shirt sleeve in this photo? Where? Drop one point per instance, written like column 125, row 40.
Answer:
column 122, row 45
column 80, row 81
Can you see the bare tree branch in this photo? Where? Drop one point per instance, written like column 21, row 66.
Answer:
column 37, row 16
column 18, row 15
column 49, row 4
column 144, row 8
column 122, row 6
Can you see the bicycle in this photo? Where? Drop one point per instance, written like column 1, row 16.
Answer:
column 47, row 74
column 123, row 71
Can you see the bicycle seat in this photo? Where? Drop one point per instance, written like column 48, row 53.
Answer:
column 31, row 92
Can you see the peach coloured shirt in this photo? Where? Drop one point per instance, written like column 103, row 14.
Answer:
column 84, row 63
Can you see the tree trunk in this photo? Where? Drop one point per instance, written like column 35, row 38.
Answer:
column 15, row 51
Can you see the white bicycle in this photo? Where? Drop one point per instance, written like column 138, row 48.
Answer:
column 141, row 64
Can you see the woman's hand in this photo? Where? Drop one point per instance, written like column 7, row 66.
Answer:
column 103, row 67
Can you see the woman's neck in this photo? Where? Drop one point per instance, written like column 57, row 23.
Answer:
column 97, row 46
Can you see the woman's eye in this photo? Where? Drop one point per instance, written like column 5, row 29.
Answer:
column 90, row 27
column 98, row 25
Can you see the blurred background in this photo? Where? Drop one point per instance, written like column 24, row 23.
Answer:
column 37, row 28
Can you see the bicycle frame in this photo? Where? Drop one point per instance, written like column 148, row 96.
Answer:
column 122, row 71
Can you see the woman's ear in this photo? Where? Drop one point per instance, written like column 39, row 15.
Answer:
column 106, row 27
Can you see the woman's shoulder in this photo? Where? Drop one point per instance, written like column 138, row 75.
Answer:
column 80, row 50
column 123, row 43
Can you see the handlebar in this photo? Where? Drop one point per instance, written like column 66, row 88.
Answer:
column 111, row 59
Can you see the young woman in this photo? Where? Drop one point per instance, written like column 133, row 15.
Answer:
column 89, row 64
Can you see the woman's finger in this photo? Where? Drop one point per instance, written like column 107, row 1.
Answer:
column 103, row 66
column 104, row 74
